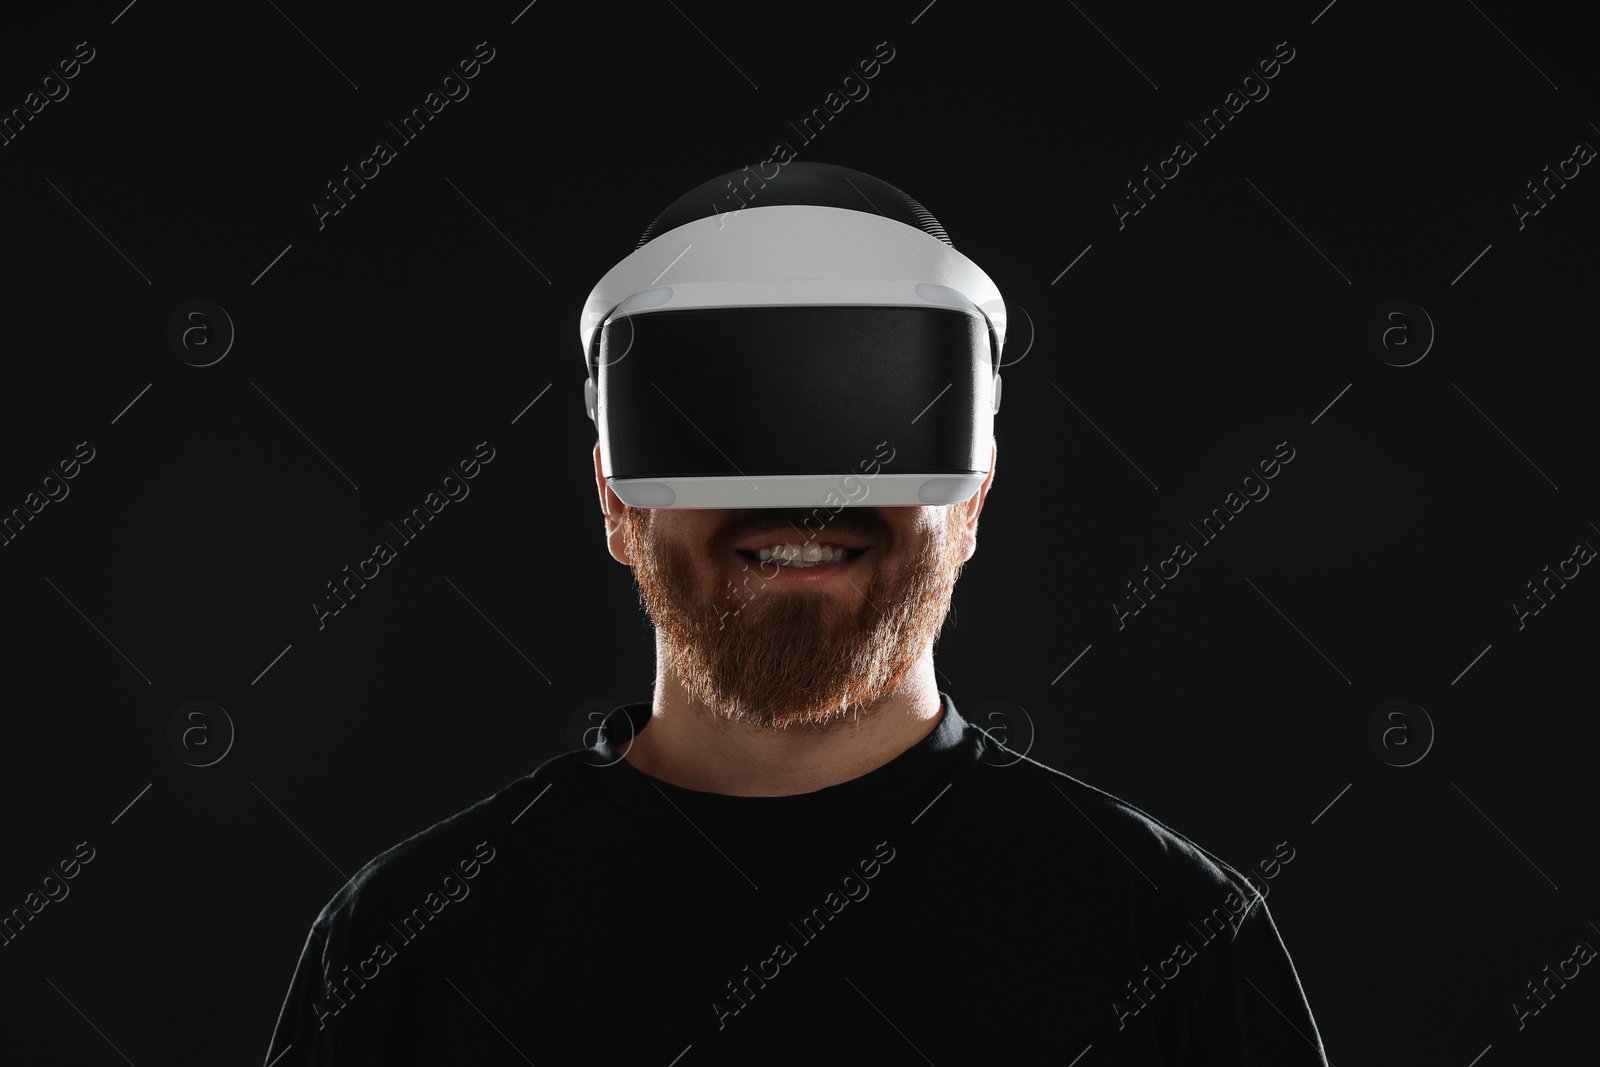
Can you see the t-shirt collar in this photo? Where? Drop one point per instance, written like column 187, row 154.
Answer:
column 880, row 793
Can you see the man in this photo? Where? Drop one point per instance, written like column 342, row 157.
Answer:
column 798, row 851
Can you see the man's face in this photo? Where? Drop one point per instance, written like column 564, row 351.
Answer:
column 786, row 647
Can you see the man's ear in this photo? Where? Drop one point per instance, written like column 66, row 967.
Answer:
column 614, row 509
column 969, row 532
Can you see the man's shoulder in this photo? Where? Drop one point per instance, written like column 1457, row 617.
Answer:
column 1090, row 818
column 451, row 851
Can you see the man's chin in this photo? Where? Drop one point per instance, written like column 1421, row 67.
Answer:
column 791, row 714
column 770, row 676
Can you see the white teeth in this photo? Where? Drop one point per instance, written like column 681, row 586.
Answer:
column 800, row 555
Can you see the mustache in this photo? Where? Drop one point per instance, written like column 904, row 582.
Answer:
column 809, row 524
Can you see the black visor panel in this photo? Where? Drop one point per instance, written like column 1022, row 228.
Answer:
column 794, row 390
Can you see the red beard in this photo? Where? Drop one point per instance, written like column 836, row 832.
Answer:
column 778, row 657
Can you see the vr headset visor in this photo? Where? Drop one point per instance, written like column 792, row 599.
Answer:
column 793, row 356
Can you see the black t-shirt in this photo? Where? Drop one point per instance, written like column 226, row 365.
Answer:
column 959, row 905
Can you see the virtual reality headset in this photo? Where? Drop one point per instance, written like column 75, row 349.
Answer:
column 794, row 354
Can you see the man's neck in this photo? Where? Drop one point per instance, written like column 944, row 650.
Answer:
column 686, row 745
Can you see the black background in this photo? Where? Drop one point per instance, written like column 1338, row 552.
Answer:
column 377, row 351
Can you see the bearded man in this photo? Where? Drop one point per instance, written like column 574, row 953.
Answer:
column 798, row 851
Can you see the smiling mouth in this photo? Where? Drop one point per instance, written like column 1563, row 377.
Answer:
column 780, row 558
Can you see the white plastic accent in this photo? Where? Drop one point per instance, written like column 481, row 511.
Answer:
column 796, row 491
column 944, row 296
column 650, row 298
column 590, row 402
column 791, row 245
column 786, row 292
